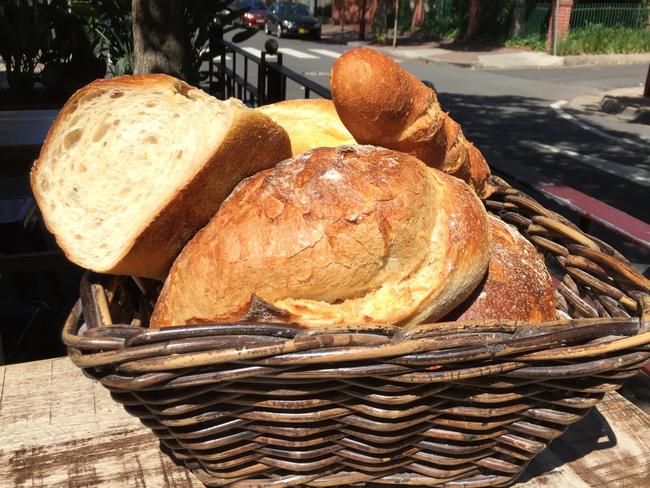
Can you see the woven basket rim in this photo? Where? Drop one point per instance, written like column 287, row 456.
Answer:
column 140, row 350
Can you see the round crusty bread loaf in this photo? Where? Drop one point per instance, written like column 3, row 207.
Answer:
column 133, row 166
column 517, row 285
column 383, row 104
column 356, row 234
column 310, row 123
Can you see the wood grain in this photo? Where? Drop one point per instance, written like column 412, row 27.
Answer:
column 60, row 429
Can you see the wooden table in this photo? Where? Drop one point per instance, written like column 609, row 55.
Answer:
column 60, row 429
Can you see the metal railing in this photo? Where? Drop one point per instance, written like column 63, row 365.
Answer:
column 630, row 15
column 256, row 80
column 440, row 16
column 536, row 23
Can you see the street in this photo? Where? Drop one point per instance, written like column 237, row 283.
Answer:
column 520, row 116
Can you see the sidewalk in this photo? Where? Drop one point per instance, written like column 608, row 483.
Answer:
column 474, row 55
column 623, row 104
column 506, row 57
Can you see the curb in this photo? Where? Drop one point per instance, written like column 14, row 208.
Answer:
column 638, row 58
column 445, row 62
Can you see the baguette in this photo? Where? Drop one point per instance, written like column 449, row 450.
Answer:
column 309, row 123
column 133, row 166
column 351, row 235
column 382, row 104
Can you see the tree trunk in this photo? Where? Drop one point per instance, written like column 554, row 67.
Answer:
column 418, row 16
column 474, row 17
column 159, row 41
column 646, row 91
column 362, row 21
column 518, row 18
column 380, row 20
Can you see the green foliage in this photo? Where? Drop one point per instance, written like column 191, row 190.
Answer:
column 379, row 38
column 444, row 23
column 403, row 19
column 535, row 42
column 444, row 27
column 112, row 24
column 111, row 27
column 600, row 39
column 49, row 35
column 25, row 34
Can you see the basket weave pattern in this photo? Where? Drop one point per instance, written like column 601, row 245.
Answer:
column 458, row 404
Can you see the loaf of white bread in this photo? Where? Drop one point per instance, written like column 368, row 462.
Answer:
column 356, row 234
column 517, row 285
column 310, row 123
column 134, row 166
column 383, row 104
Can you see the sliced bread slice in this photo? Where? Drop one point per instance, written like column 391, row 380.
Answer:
column 134, row 166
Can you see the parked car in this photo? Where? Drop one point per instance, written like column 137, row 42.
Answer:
column 254, row 12
column 288, row 18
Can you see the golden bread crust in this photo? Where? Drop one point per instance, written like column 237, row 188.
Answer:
column 517, row 285
column 357, row 234
column 382, row 104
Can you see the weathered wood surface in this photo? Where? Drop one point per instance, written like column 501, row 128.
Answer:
column 59, row 429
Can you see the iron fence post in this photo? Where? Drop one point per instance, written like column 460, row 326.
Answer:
column 261, row 80
column 276, row 88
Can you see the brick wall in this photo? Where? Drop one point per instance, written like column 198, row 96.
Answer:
column 563, row 18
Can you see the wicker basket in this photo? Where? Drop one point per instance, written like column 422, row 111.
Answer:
column 457, row 404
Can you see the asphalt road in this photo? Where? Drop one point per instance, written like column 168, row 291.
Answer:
column 508, row 115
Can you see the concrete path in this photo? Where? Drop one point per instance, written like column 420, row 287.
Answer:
column 508, row 58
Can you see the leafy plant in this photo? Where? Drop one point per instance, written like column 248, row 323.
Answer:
column 379, row 38
column 69, row 59
column 204, row 21
column 442, row 22
column 600, row 39
column 535, row 42
column 111, row 27
column 405, row 13
column 25, row 32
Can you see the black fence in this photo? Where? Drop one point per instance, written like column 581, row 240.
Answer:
column 235, row 72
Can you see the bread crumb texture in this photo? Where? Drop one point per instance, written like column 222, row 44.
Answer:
column 133, row 166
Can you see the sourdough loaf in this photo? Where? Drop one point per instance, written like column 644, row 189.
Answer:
column 517, row 285
column 382, row 104
column 310, row 123
column 356, row 234
column 133, row 166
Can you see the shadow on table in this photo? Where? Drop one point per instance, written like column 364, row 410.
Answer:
column 592, row 433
